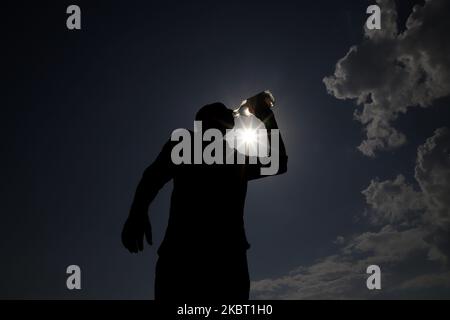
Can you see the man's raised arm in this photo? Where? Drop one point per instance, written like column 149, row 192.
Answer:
column 276, row 148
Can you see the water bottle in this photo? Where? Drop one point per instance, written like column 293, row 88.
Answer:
column 263, row 99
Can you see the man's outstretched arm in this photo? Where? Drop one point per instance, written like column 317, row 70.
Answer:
column 138, row 223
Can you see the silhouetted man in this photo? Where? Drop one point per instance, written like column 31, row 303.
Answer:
column 203, row 254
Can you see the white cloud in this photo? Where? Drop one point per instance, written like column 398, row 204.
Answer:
column 388, row 245
column 428, row 281
column 394, row 201
column 390, row 72
column 330, row 278
column 413, row 228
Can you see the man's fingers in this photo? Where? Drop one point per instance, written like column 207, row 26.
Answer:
column 140, row 242
column 133, row 235
column 127, row 240
column 132, row 246
column 148, row 233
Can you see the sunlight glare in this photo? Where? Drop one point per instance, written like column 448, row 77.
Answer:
column 249, row 136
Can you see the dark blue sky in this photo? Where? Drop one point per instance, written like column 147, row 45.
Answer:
column 87, row 111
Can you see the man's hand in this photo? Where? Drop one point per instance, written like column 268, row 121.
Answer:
column 263, row 113
column 134, row 230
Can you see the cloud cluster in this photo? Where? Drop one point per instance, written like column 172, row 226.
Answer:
column 330, row 278
column 392, row 71
column 411, row 225
column 397, row 204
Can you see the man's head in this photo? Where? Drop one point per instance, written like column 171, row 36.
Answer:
column 217, row 116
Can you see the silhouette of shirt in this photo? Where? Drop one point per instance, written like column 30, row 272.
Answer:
column 207, row 202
